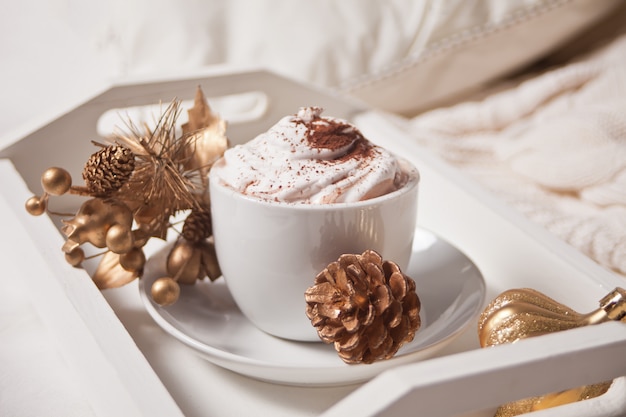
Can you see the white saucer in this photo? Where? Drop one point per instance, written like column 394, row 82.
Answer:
column 450, row 287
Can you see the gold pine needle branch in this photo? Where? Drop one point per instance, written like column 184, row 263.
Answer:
column 134, row 185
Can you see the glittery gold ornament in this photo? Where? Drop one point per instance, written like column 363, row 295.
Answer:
column 520, row 313
column 136, row 184
column 365, row 306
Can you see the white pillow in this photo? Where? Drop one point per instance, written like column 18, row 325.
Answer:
column 461, row 45
column 401, row 55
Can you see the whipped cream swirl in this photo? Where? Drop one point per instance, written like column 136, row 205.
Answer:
column 307, row 158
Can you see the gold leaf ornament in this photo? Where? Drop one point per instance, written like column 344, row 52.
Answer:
column 190, row 261
column 111, row 274
column 207, row 133
column 521, row 313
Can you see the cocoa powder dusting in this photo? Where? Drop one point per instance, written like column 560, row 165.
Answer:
column 333, row 135
column 362, row 149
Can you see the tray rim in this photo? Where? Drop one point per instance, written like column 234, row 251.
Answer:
column 118, row 95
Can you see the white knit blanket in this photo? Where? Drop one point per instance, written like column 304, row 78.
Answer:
column 553, row 146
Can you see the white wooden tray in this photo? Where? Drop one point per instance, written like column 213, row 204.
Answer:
column 510, row 251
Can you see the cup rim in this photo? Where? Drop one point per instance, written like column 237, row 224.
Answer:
column 413, row 181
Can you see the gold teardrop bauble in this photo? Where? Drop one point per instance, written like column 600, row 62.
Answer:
column 521, row 313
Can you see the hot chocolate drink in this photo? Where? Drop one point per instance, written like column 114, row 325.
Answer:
column 290, row 201
column 307, row 158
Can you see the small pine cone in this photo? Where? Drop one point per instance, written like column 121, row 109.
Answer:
column 366, row 306
column 108, row 169
column 197, row 226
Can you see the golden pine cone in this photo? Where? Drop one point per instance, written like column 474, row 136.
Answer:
column 366, row 306
column 108, row 169
column 197, row 226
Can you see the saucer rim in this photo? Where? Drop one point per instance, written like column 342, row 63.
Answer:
column 315, row 375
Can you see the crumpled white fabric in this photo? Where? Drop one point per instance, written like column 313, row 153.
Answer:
column 58, row 52
column 553, row 146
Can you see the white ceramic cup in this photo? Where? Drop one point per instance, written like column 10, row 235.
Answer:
column 270, row 252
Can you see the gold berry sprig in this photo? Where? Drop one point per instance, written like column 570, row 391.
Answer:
column 135, row 184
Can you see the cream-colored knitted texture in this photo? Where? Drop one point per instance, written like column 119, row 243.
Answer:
column 553, row 146
column 608, row 193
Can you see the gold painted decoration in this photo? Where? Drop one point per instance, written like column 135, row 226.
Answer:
column 365, row 306
column 520, row 313
column 111, row 274
column 135, row 184
column 207, row 134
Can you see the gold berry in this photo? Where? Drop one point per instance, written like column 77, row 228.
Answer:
column 36, row 206
column 75, row 257
column 165, row 291
column 56, row 181
column 133, row 260
column 119, row 239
